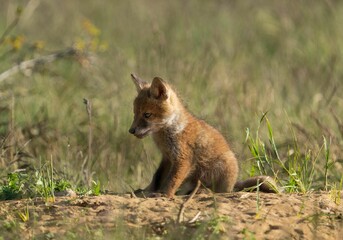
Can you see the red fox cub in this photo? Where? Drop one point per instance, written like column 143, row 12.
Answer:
column 191, row 149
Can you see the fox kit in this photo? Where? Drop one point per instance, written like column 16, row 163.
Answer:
column 191, row 149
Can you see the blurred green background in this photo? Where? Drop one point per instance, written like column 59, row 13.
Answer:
column 230, row 61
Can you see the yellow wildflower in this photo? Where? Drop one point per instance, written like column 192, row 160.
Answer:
column 91, row 28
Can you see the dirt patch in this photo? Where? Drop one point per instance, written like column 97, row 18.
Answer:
column 237, row 216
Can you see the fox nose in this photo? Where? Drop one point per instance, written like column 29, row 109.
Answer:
column 132, row 130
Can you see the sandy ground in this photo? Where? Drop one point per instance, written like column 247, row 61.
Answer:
column 220, row 216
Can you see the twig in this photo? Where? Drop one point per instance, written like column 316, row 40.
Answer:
column 195, row 218
column 183, row 205
column 33, row 63
column 90, row 134
column 88, row 104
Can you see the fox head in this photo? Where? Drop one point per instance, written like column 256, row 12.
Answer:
column 154, row 108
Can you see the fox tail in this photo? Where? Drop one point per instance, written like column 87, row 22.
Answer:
column 260, row 183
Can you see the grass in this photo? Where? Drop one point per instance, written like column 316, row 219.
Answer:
column 294, row 171
column 42, row 183
column 230, row 62
column 25, row 215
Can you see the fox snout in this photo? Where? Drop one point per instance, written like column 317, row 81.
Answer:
column 139, row 133
column 132, row 130
column 139, row 130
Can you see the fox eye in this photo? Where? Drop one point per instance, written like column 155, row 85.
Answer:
column 147, row 115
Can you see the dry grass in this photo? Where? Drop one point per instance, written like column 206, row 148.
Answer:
column 231, row 62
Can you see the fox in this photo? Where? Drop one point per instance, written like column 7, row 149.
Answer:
column 192, row 150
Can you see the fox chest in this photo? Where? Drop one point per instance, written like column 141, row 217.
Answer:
column 168, row 144
column 175, row 147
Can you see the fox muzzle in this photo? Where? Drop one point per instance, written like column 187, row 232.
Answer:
column 132, row 130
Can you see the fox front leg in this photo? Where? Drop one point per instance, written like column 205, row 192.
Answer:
column 160, row 176
column 178, row 174
column 158, row 180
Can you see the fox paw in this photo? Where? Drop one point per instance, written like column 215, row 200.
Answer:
column 145, row 194
column 158, row 195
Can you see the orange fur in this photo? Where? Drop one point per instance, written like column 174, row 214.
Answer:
column 191, row 149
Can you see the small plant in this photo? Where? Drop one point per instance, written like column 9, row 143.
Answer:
column 95, row 190
column 25, row 216
column 45, row 184
column 335, row 192
column 248, row 235
column 14, row 186
column 328, row 163
column 9, row 225
column 216, row 224
column 62, row 185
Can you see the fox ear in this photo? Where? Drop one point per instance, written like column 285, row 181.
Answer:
column 159, row 89
column 139, row 83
